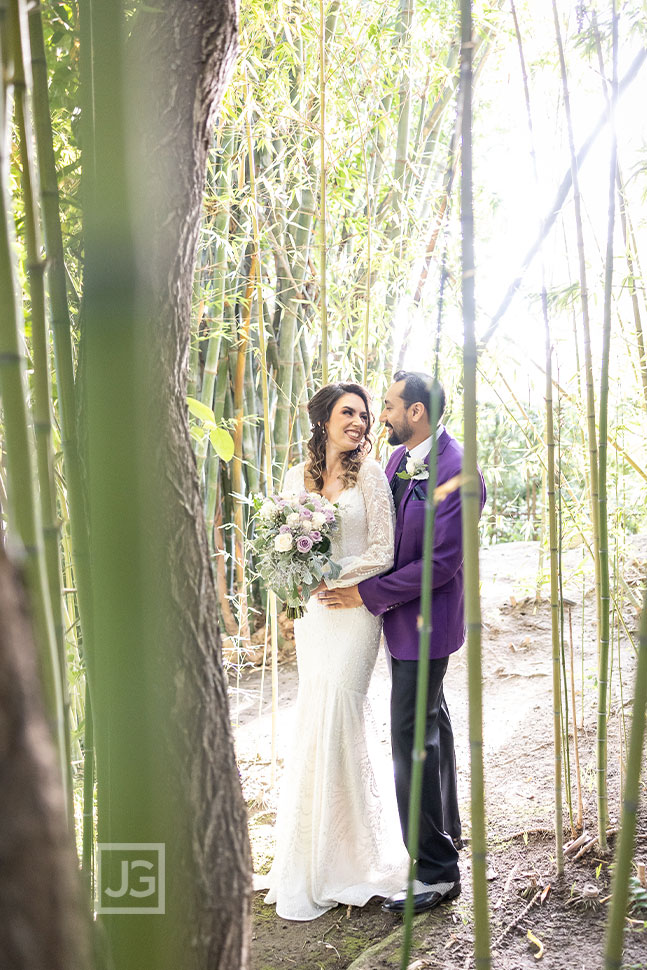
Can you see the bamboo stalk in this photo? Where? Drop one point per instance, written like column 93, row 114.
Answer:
column 23, row 511
column 634, row 273
column 289, row 300
column 562, row 638
column 603, row 660
column 219, row 269
column 60, row 323
column 422, row 681
column 322, row 193
column 397, row 228
column 578, row 773
column 369, row 231
column 625, row 848
column 87, row 856
column 590, row 397
column 551, row 482
column 642, row 359
column 554, row 606
column 237, row 461
column 41, row 381
column 471, row 510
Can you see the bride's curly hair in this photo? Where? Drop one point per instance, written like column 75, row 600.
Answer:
column 320, row 408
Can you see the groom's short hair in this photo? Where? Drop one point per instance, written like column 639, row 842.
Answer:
column 418, row 388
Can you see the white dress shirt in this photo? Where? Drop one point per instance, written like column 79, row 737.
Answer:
column 420, row 451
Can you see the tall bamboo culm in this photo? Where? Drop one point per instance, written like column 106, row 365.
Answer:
column 61, row 328
column 471, row 511
column 322, row 191
column 267, row 433
column 40, row 354
column 422, row 681
column 603, row 659
column 625, row 849
column 66, row 394
column 23, row 511
column 550, row 491
column 590, row 396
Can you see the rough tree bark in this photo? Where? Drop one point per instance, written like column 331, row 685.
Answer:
column 182, row 54
column 166, row 771
column 42, row 923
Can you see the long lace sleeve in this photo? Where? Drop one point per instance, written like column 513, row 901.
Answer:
column 293, row 481
column 377, row 556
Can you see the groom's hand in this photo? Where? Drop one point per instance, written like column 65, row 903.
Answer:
column 344, row 598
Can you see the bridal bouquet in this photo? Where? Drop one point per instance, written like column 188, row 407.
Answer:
column 292, row 545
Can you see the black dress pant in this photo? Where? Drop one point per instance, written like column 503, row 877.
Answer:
column 439, row 816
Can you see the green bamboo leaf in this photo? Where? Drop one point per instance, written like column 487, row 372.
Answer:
column 222, row 442
column 201, row 411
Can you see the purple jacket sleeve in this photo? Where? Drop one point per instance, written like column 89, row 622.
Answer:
column 382, row 593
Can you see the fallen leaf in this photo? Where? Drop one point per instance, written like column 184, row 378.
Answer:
column 540, row 946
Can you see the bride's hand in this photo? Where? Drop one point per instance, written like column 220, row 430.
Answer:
column 319, row 588
column 342, row 598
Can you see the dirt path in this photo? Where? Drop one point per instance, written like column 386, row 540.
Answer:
column 519, row 763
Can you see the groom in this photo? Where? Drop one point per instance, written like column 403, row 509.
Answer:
column 396, row 595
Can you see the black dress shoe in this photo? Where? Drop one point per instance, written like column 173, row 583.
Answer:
column 421, row 901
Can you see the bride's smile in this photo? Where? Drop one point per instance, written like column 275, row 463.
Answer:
column 347, row 424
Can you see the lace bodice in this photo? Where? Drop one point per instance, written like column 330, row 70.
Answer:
column 363, row 543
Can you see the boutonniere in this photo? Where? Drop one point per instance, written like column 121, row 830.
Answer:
column 416, row 469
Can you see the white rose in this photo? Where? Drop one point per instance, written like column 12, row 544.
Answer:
column 283, row 542
column 317, row 520
column 411, row 466
column 306, row 525
column 293, row 519
column 267, row 509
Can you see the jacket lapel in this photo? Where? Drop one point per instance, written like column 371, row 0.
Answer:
column 399, row 521
column 393, row 462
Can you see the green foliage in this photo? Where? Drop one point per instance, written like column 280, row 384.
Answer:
column 637, row 898
column 205, row 425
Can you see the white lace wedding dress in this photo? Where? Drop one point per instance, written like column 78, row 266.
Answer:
column 338, row 834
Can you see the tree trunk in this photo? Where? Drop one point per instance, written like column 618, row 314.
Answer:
column 186, row 50
column 42, row 924
column 166, row 771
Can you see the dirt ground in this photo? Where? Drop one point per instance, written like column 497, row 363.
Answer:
column 566, row 916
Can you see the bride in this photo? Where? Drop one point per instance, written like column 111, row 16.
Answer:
column 338, row 835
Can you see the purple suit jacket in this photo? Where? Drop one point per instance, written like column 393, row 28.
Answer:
column 396, row 594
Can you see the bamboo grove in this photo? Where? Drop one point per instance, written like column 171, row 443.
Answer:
column 339, row 200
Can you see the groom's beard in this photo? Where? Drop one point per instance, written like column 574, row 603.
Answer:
column 400, row 435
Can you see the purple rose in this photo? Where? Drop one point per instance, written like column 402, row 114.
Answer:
column 304, row 543
column 315, row 536
column 284, row 528
column 305, row 513
column 330, row 515
column 303, row 496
